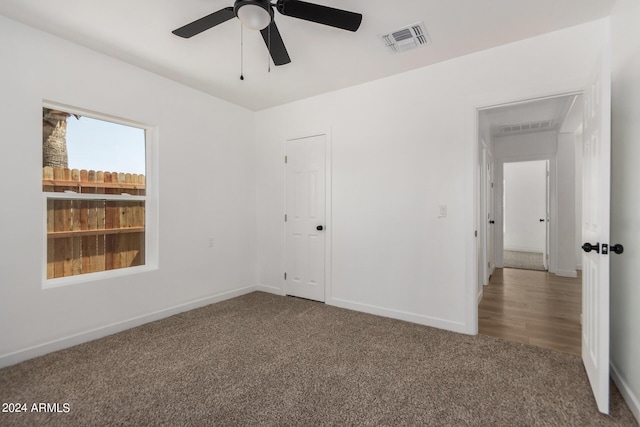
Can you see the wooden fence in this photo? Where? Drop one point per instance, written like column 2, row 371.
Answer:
column 89, row 235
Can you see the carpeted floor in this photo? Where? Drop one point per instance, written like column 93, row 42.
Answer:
column 523, row 260
column 261, row 359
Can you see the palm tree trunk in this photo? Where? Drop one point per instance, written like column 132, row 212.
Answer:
column 54, row 138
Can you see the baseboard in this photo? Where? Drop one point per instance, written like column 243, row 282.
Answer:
column 480, row 295
column 270, row 289
column 400, row 315
column 567, row 273
column 93, row 334
column 629, row 397
column 522, row 249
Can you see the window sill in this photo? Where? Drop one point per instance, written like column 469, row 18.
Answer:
column 92, row 277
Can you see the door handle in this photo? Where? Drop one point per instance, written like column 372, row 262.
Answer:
column 541, row 219
column 617, row 248
column 588, row 247
column 319, row 228
column 491, row 221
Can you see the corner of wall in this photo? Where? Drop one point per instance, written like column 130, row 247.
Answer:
column 632, row 401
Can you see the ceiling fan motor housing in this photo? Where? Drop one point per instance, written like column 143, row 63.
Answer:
column 257, row 21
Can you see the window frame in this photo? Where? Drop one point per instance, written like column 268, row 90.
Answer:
column 150, row 200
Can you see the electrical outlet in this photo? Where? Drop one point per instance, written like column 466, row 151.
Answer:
column 211, row 242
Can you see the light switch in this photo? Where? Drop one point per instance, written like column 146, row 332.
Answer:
column 443, row 211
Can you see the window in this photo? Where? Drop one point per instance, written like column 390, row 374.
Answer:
column 95, row 194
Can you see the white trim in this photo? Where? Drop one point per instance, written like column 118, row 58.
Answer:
column 630, row 398
column 94, row 196
column 480, row 295
column 400, row 315
column 473, row 240
column 487, row 105
column 523, row 249
column 93, row 114
column 92, row 277
column 103, row 331
column 328, row 248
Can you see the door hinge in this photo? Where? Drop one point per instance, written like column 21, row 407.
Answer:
column 476, row 233
column 488, row 265
column 285, row 159
column 285, row 276
column 285, row 217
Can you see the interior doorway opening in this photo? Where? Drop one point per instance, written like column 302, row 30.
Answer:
column 525, row 206
column 531, row 205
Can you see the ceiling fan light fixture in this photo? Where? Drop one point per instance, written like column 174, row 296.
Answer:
column 254, row 14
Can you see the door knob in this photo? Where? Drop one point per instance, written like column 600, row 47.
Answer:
column 541, row 219
column 319, row 228
column 492, row 221
column 617, row 248
column 588, row 247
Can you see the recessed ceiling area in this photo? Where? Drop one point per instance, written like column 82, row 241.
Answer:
column 561, row 113
column 323, row 58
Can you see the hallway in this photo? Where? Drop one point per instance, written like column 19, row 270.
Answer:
column 533, row 307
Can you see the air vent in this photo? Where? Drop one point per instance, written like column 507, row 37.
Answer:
column 406, row 38
column 526, row 127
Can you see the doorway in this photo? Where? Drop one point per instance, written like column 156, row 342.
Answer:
column 306, row 217
column 534, row 212
column 526, row 215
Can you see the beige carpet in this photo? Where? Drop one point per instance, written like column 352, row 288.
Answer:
column 523, row 260
column 267, row 360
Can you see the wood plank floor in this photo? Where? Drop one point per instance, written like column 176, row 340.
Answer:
column 533, row 307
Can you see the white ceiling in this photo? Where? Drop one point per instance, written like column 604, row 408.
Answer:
column 323, row 58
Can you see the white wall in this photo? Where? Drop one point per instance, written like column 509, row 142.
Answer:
column 525, row 204
column 625, row 175
column 207, row 189
column 402, row 146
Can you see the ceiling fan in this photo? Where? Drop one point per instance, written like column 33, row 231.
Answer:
column 258, row 15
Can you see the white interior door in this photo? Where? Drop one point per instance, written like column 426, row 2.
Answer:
column 547, row 216
column 490, row 218
column 484, row 268
column 595, row 230
column 305, row 218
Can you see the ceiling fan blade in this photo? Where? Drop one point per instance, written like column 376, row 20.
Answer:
column 275, row 44
column 203, row 24
column 321, row 14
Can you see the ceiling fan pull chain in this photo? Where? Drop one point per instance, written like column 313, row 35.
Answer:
column 269, row 55
column 241, row 52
